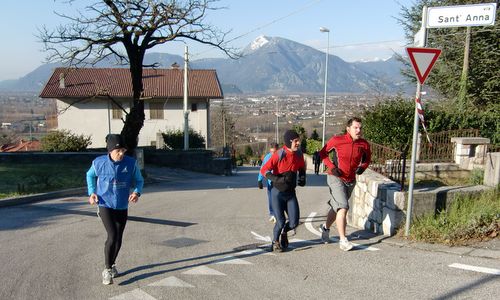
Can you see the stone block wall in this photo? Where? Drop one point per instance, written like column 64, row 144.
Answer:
column 377, row 204
column 470, row 152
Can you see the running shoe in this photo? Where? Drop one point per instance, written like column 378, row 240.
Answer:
column 345, row 245
column 107, row 278
column 114, row 271
column 325, row 234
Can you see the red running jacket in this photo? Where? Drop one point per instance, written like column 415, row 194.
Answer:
column 348, row 155
column 292, row 161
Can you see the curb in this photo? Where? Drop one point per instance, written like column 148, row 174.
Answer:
column 459, row 250
column 13, row 201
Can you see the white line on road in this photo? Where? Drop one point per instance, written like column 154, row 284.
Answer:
column 171, row 281
column 232, row 261
column 475, row 269
column 203, row 270
column 261, row 238
column 136, row 294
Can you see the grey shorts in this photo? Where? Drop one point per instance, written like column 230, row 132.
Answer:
column 340, row 192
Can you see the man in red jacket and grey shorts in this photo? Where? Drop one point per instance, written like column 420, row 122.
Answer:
column 351, row 156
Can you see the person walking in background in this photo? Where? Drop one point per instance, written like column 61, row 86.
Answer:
column 316, row 161
column 272, row 148
column 109, row 181
column 351, row 156
column 282, row 170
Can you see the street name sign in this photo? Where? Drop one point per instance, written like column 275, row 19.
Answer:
column 461, row 15
column 422, row 60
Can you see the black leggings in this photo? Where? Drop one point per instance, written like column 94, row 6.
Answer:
column 114, row 221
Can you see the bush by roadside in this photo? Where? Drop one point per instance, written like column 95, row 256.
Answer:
column 469, row 219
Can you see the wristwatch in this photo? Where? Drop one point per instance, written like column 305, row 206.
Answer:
column 138, row 194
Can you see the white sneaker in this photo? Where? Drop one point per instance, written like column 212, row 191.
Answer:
column 272, row 219
column 107, row 278
column 114, row 271
column 345, row 245
column 325, row 234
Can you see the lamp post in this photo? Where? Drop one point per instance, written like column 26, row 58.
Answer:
column 324, row 29
column 277, row 121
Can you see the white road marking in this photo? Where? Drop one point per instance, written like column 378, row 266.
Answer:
column 255, row 251
column 171, row 281
column 136, row 294
column 261, row 238
column 203, row 270
column 310, row 227
column 232, row 260
column 301, row 241
column 475, row 269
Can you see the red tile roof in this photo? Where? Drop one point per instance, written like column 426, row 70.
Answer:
column 22, row 146
column 116, row 82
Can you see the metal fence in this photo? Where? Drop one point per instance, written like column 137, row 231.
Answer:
column 389, row 162
column 441, row 149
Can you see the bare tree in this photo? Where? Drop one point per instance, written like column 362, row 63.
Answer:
column 126, row 30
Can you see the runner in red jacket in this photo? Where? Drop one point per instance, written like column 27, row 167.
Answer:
column 351, row 156
column 282, row 170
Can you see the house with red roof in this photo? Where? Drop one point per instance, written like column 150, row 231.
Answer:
column 94, row 101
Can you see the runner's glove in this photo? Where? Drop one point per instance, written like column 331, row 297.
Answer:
column 302, row 178
column 360, row 170
column 260, row 184
column 337, row 172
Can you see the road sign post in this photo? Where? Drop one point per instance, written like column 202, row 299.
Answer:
column 422, row 60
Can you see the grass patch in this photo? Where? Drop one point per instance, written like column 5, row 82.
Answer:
column 468, row 219
column 31, row 178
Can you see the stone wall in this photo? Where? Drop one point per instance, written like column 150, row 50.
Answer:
column 377, row 204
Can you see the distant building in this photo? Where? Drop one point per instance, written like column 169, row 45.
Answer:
column 91, row 101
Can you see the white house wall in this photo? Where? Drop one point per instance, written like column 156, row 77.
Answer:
column 93, row 118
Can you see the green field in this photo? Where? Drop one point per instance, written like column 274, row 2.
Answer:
column 30, row 178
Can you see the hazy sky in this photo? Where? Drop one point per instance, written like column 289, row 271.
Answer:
column 359, row 29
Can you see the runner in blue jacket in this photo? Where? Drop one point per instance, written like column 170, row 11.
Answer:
column 109, row 181
column 272, row 148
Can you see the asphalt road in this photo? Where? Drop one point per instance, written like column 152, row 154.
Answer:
column 199, row 236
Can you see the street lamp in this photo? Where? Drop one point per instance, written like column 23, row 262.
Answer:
column 324, row 29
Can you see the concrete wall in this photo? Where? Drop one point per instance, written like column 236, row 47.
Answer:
column 197, row 161
column 492, row 169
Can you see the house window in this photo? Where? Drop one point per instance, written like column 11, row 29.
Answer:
column 194, row 106
column 117, row 112
column 156, row 110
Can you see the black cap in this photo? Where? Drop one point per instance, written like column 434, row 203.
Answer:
column 114, row 141
column 289, row 136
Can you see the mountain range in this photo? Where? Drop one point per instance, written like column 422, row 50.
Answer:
column 268, row 65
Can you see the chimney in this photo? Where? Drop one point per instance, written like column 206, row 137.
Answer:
column 61, row 81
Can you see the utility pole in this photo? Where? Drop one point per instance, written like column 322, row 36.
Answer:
column 186, row 112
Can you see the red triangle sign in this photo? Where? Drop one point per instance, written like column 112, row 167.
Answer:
column 422, row 60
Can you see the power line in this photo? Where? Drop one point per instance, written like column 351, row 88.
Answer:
column 265, row 25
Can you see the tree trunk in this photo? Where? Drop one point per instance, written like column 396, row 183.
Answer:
column 134, row 121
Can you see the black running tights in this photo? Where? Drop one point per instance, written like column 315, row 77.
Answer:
column 114, row 221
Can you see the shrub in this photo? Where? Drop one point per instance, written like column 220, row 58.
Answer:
column 174, row 139
column 313, row 145
column 389, row 123
column 65, row 141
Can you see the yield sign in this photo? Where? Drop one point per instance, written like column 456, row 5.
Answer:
column 422, row 60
